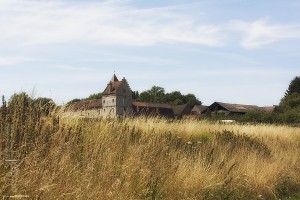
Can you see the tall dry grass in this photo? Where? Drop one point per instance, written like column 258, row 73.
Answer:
column 144, row 158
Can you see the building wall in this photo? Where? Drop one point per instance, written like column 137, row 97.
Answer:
column 96, row 113
column 109, row 106
column 119, row 104
column 124, row 99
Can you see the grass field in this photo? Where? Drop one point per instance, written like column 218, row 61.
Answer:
column 145, row 158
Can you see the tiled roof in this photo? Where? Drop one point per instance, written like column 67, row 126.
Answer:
column 112, row 88
column 270, row 108
column 151, row 105
column 200, row 108
column 241, row 108
column 181, row 109
column 87, row 105
column 114, row 78
column 114, row 85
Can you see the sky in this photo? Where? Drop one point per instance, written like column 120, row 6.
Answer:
column 233, row 51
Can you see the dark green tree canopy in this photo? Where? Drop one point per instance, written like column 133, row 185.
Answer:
column 91, row 97
column 291, row 101
column 291, row 98
column 94, row 96
column 157, row 94
column 294, row 86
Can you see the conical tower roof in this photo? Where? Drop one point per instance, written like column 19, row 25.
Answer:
column 114, row 78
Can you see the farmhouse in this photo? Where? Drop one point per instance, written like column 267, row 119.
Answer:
column 237, row 109
column 154, row 109
column 117, row 101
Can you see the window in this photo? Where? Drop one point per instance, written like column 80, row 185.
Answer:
column 113, row 100
column 103, row 101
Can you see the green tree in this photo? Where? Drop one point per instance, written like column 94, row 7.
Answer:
column 192, row 100
column 174, row 96
column 291, row 101
column 294, row 87
column 145, row 96
column 291, row 98
column 73, row 101
column 177, row 102
column 94, row 96
column 156, row 94
column 135, row 95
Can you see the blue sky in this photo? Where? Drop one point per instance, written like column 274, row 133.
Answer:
column 235, row 51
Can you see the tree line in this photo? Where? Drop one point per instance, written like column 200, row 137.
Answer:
column 289, row 105
column 155, row 94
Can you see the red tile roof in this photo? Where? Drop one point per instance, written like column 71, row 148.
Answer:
column 86, row 105
column 151, row 105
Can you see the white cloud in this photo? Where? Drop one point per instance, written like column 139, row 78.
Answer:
column 260, row 33
column 114, row 22
column 110, row 22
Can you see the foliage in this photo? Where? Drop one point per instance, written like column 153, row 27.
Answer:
column 158, row 95
column 73, row 101
column 94, row 96
column 291, row 98
column 135, row 95
column 294, row 87
column 291, row 101
column 91, row 97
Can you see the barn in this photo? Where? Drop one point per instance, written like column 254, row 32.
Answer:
column 238, row 109
column 153, row 109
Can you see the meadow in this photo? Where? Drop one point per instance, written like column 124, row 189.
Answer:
column 46, row 155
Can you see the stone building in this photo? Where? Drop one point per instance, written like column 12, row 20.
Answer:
column 117, row 102
column 116, row 98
